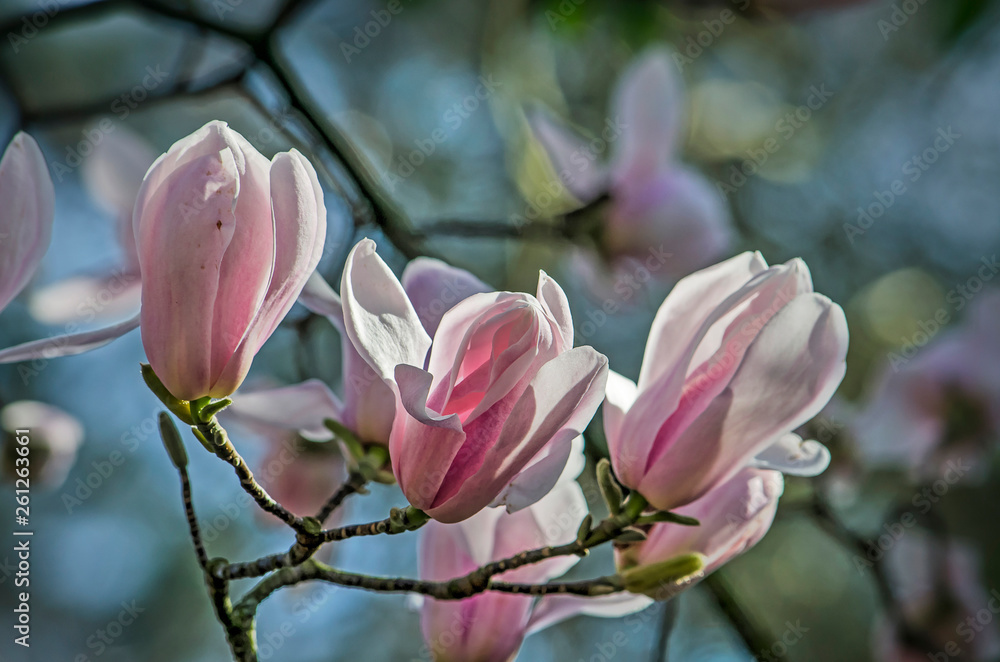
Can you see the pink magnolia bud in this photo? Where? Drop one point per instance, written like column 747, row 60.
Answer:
column 27, row 199
column 499, row 386
column 738, row 356
column 734, row 517
column 226, row 241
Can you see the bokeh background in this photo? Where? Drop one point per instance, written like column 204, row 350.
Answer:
column 110, row 537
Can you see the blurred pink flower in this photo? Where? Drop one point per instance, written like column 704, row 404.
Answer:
column 112, row 173
column 940, row 407
column 738, row 356
column 499, row 387
column 28, row 200
column 490, row 627
column 54, row 437
column 661, row 214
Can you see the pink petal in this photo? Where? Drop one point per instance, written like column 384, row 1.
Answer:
column 300, row 407
column 183, row 234
column 435, row 287
column 299, row 226
column 556, row 305
column 666, row 406
column 423, row 444
column 553, row 609
column 560, row 402
column 793, row 456
column 734, row 517
column 67, row 345
column 28, row 202
column 690, row 303
column 552, row 520
column 380, row 321
column 559, row 462
column 649, row 104
column 368, row 402
column 787, row 375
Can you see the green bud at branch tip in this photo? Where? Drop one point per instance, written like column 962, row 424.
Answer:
column 664, row 579
column 172, row 441
column 667, row 516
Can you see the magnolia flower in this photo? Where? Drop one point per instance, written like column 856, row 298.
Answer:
column 734, row 517
column 499, row 387
column 27, row 199
column 226, row 242
column 112, row 173
column 53, row 436
column 938, row 587
column 738, row 356
column 940, row 406
column 490, row 627
column 661, row 213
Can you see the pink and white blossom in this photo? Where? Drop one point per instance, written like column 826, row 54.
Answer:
column 738, row 356
column 499, row 386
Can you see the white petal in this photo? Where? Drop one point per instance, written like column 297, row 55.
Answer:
column 793, row 456
column 67, row 345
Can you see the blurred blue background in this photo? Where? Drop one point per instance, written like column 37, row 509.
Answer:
column 111, row 538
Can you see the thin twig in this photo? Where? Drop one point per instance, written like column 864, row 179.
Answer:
column 192, row 519
column 216, row 435
column 354, row 484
